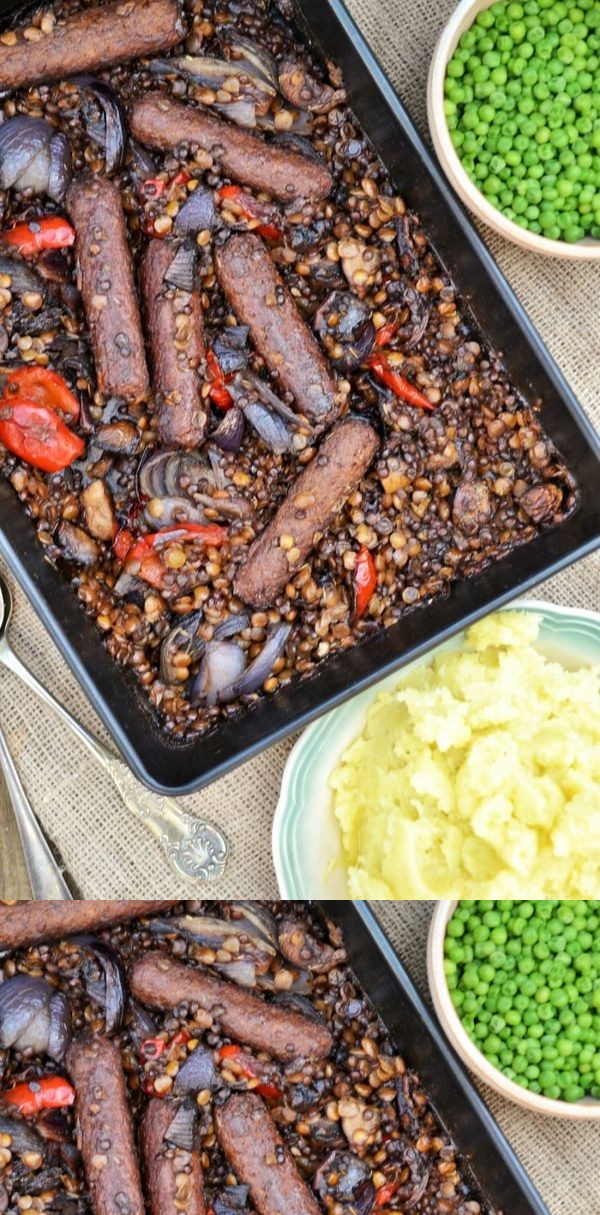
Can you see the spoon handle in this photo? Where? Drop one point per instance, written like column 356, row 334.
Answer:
column 45, row 877
column 194, row 847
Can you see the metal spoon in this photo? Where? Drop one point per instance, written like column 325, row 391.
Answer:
column 196, row 848
column 45, row 875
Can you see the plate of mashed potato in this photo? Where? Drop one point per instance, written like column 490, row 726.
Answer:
column 474, row 772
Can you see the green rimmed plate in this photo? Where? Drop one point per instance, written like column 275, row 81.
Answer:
column 306, row 838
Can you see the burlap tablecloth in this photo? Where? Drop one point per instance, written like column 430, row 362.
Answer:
column 109, row 856
column 561, row 1157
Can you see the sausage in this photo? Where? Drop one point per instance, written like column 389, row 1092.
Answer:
column 106, row 1131
column 175, row 330
column 108, row 288
column 163, row 123
column 173, row 1176
column 260, row 1159
column 162, row 982
column 261, row 300
column 311, row 504
column 30, row 923
column 95, row 38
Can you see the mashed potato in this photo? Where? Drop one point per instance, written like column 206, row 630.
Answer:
column 478, row 776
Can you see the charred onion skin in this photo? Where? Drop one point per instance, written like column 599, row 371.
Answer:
column 108, row 288
column 250, row 1142
column 174, row 316
column 28, row 923
column 107, row 1141
column 308, row 510
column 164, row 1164
column 163, row 123
column 96, row 38
column 260, row 299
column 161, row 982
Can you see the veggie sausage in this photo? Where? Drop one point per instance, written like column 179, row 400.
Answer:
column 261, row 300
column 108, row 288
column 174, row 325
column 260, row 1159
column 29, row 923
column 312, row 503
column 162, row 982
column 163, row 123
column 173, row 1176
column 107, row 1144
column 95, row 38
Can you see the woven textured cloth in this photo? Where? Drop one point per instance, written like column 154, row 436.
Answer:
column 560, row 1156
column 109, row 856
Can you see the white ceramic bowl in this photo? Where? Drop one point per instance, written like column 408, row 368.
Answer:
column 464, row 1046
column 307, row 848
column 461, row 20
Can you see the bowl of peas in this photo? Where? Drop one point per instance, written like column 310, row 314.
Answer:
column 514, row 114
column 516, row 987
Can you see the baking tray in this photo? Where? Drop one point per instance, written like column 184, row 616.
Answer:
column 168, row 766
column 486, row 1158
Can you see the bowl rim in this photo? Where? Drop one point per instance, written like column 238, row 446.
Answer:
column 587, row 249
column 587, row 1109
column 283, row 872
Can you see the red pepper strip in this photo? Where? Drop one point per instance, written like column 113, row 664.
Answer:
column 50, row 233
column 37, row 435
column 122, row 543
column 251, row 1070
column 142, row 560
column 251, row 208
column 378, row 364
column 49, row 1093
column 386, row 333
column 152, row 1048
column 181, row 1038
column 42, row 386
column 365, row 581
column 153, row 188
column 219, row 394
column 386, row 1192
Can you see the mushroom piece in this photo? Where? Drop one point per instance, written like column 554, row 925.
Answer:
column 305, row 92
column 541, row 502
column 360, row 263
column 360, row 1122
column 301, row 948
column 77, row 545
column 472, row 507
column 98, row 510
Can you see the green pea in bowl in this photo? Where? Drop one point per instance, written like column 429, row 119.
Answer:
column 529, row 162
column 586, row 1108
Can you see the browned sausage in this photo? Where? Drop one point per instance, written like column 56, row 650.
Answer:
column 175, row 330
column 163, row 123
column 108, row 288
column 30, row 923
column 173, row 1176
column 312, row 502
column 261, row 300
column 260, row 1159
column 95, row 38
column 162, row 982
column 107, row 1143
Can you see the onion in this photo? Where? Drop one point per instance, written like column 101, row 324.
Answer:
column 33, row 1016
column 34, row 156
column 229, row 433
column 197, row 214
column 23, row 1136
column 259, row 59
column 114, row 119
column 240, row 111
column 241, row 971
column 59, row 1029
column 229, row 347
column 172, row 511
column 258, row 918
column 223, row 663
column 182, row 270
column 232, row 1199
column 171, row 473
column 253, row 677
column 23, row 278
column 197, row 1073
column 114, row 978
column 141, row 1024
column 272, row 429
column 143, row 165
column 182, row 638
column 60, row 169
column 231, row 626
column 182, row 1130
column 269, row 398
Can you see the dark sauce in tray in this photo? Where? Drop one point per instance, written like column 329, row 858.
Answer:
column 355, row 1123
column 451, row 490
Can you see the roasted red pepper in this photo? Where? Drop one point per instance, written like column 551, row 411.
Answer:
column 48, row 1093
column 219, row 394
column 379, row 365
column 36, row 434
column 122, row 543
column 386, row 333
column 42, row 386
column 143, row 561
column 251, row 208
column 251, row 1069
column 51, row 233
column 386, row 1192
column 152, row 1048
column 154, row 187
column 365, row 581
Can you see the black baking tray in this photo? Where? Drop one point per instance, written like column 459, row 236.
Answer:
column 485, row 1156
column 183, row 767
